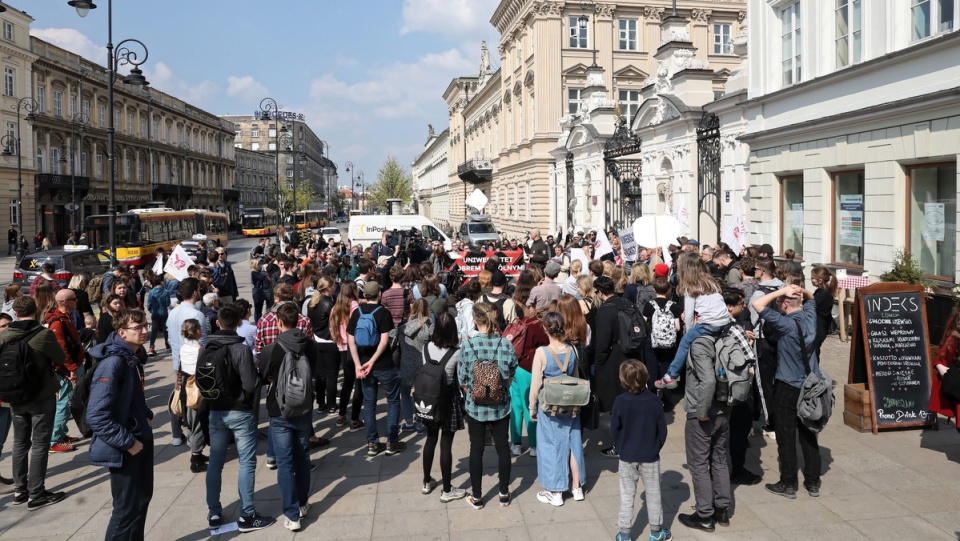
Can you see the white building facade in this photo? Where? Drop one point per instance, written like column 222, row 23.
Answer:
column 853, row 116
column 431, row 178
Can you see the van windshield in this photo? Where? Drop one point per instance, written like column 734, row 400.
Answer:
column 482, row 228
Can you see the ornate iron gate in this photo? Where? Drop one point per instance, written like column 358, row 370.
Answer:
column 571, row 194
column 708, row 170
column 623, row 188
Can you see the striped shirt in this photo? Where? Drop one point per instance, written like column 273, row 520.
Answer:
column 487, row 347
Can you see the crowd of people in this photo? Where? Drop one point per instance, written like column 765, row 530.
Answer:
column 333, row 325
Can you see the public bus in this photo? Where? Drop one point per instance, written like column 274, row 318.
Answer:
column 260, row 222
column 356, row 212
column 140, row 232
column 309, row 219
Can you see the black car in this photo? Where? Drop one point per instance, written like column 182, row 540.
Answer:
column 67, row 263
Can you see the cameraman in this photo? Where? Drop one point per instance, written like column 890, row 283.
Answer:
column 416, row 253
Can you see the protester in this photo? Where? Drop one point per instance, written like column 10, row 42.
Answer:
column 413, row 335
column 59, row 320
column 347, row 302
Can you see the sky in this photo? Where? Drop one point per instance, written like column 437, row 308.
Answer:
column 368, row 74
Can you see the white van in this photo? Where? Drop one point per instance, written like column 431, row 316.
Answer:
column 368, row 229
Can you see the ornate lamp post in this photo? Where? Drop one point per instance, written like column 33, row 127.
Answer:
column 268, row 108
column 348, row 167
column 363, row 191
column 12, row 144
column 121, row 57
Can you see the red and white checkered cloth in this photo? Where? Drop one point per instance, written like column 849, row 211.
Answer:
column 853, row 282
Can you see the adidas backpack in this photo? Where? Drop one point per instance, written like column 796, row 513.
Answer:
column 366, row 335
column 294, row 388
column 215, row 377
column 663, row 332
column 431, row 394
column 20, row 377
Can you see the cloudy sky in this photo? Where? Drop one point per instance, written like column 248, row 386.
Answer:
column 368, row 74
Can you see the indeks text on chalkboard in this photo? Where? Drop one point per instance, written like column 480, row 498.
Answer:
column 893, row 303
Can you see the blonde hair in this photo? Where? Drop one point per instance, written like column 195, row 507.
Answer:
column 640, row 274
column 486, row 314
column 191, row 329
column 576, row 267
column 608, row 267
column 420, row 309
column 323, row 285
column 694, row 279
column 589, row 294
column 619, row 277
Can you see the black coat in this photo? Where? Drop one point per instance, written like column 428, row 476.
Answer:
column 607, row 353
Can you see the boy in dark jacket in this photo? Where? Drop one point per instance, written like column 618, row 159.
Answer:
column 638, row 428
column 118, row 415
column 33, row 420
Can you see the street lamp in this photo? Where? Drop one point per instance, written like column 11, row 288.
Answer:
column 11, row 144
column 268, row 105
column 348, row 167
column 582, row 24
column 184, row 147
column 121, row 57
column 78, row 125
column 299, row 157
column 363, row 191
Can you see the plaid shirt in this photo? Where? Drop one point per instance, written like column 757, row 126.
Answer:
column 738, row 334
column 487, row 347
column 268, row 329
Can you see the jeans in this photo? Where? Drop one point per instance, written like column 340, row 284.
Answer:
column 292, row 447
column 132, row 488
column 683, row 348
column 519, row 409
column 158, row 325
column 787, row 427
column 446, row 455
column 240, row 424
column 32, row 426
column 328, row 365
column 390, row 379
column 6, row 419
column 350, row 384
column 478, row 434
column 260, row 298
column 706, row 446
column 63, row 407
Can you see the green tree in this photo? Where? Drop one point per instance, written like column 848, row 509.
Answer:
column 306, row 197
column 393, row 182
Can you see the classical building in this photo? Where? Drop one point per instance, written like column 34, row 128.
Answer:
column 255, row 173
column 854, row 131
column 165, row 150
column 302, row 157
column 431, row 178
column 18, row 162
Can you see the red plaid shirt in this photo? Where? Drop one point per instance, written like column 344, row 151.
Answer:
column 268, row 329
column 36, row 282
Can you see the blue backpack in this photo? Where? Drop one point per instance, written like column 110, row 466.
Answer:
column 366, row 334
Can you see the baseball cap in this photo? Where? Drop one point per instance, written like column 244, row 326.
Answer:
column 661, row 270
column 371, row 288
column 693, row 242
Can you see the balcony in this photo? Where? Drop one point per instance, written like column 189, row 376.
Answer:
column 47, row 181
column 231, row 195
column 475, row 171
column 172, row 190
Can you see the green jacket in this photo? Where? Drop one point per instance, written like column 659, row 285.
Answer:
column 45, row 352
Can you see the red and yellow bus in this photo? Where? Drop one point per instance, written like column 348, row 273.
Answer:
column 310, row 219
column 140, row 232
column 260, row 222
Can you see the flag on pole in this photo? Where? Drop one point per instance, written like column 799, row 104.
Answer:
column 736, row 234
column 178, row 263
column 666, row 256
column 602, row 247
column 158, row 266
column 683, row 216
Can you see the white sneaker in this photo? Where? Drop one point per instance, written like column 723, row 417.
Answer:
column 177, row 442
column 533, row 451
column 546, row 496
column 454, row 494
column 305, row 508
column 578, row 494
column 515, row 449
column 770, row 434
column 292, row 525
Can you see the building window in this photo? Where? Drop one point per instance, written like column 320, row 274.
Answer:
column 83, row 164
column 629, row 104
column 116, row 120
column 289, row 173
column 272, row 146
column 578, row 36
column 792, row 44
column 9, row 82
column 140, row 171
column 238, row 133
column 85, row 109
column 40, row 165
column 169, row 133
column 7, row 31
column 41, row 99
column 255, row 146
column 849, row 18
column 573, row 100
column 272, row 132
column 932, row 218
column 130, row 123
column 128, row 169
column 103, row 116
column 628, row 34
column 721, row 39
column 289, row 160
column 73, row 104
column 924, row 13
column 848, row 218
column 143, row 127
column 57, row 103
column 55, row 160
column 255, row 133
column 99, row 166
column 791, row 226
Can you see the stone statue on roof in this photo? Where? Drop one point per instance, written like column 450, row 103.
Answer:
column 484, row 59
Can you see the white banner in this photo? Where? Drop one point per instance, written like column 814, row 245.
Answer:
column 736, row 234
column 602, row 247
column 683, row 216
column 628, row 245
column 178, row 263
column 580, row 255
column 158, row 266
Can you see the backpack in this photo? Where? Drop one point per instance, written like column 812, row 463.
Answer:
column 158, row 302
column 431, row 394
column 645, row 294
column 498, row 303
column 734, row 379
column 633, row 330
column 294, row 388
column 663, row 332
column 216, row 379
column 488, row 387
column 95, row 289
column 366, row 335
column 564, row 393
column 516, row 333
column 80, row 399
column 20, row 377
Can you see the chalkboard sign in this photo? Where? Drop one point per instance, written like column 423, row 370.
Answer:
column 889, row 353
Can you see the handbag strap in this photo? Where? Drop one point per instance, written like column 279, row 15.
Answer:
column 803, row 348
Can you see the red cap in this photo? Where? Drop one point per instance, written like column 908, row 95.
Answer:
column 661, row 270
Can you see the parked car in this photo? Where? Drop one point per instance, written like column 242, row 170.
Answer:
column 327, row 233
column 67, row 263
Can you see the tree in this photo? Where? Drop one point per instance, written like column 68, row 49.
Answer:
column 393, row 182
column 306, row 197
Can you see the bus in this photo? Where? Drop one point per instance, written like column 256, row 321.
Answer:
column 140, row 232
column 309, row 219
column 260, row 222
column 356, row 212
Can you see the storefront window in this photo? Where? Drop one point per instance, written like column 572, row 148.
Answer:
column 792, row 224
column 848, row 218
column 933, row 219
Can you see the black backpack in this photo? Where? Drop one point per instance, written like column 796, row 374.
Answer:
column 632, row 331
column 645, row 294
column 20, row 377
column 216, row 379
column 81, row 397
column 431, row 394
column 498, row 304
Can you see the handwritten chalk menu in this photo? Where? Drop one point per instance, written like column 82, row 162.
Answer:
column 890, row 349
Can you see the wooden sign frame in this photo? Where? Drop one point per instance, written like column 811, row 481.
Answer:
column 859, row 370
